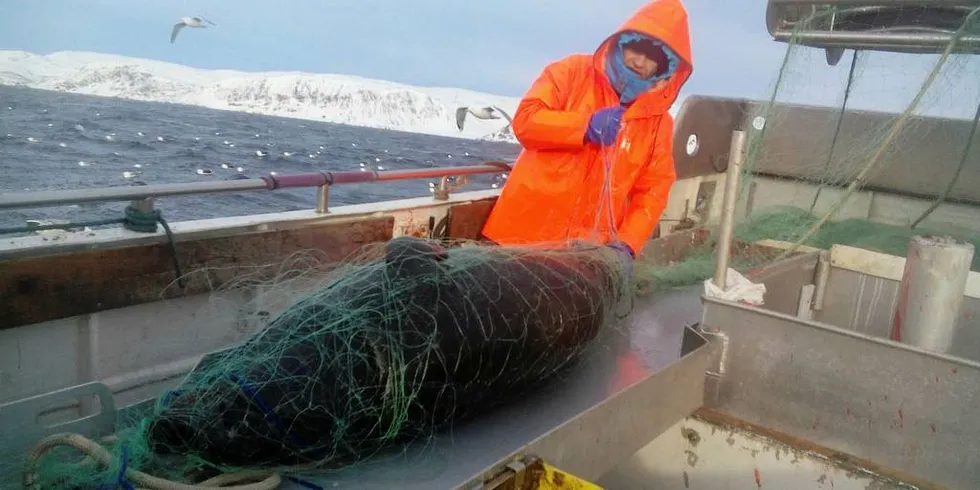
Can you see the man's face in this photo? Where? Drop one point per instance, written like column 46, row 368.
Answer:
column 639, row 57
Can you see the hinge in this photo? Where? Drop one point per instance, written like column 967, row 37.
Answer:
column 531, row 473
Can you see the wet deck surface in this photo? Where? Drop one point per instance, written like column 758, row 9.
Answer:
column 645, row 342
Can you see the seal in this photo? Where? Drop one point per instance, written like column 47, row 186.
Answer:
column 395, row 350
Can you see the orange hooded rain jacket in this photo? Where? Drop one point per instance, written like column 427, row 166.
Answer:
column 557, row 189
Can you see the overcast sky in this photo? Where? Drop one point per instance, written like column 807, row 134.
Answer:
column 496, row 47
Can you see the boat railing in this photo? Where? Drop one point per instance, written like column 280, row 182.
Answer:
column 141, row 207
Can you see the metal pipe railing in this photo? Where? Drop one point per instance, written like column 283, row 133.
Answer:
column 322, row 180
column 928, row 34
column 878, row 3
column 727, row 225
column 873, row 40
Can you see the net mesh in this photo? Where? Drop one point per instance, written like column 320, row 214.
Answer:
column 868, row 153
column 385, row 349
column 411, row 336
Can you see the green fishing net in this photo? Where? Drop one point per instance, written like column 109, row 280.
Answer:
column 386, row 349
column 867, row 153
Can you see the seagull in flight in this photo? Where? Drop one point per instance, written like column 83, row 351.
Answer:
column 488, row 112
column 188, row 22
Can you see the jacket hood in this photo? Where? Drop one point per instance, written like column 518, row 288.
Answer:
column 664, row 21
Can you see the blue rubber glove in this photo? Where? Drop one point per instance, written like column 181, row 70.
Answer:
column 604, row 125
column 627, row 255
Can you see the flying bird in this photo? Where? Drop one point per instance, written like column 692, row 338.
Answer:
column 488, row 112
column 188, row 22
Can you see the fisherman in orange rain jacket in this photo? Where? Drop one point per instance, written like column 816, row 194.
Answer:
column 589, row 114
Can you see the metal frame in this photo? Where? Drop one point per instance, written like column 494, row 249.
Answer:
column 321, row 180
column 830, row 28
column 902, row 410
column 886, row 407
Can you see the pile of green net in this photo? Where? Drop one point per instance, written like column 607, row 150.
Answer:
column 387, row 349
column 784, row 225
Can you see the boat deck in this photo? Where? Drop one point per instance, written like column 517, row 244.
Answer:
column 630, row 386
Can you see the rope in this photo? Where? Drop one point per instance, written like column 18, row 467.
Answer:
column 956, row 175
column 146, row 222
column 134, row 220
column 268, row 412
column 270, row 415
column 270, row 481
column 840, row 120
column 303, row 483
column 121, row 481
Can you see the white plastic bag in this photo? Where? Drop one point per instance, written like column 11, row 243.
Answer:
column 737, row 288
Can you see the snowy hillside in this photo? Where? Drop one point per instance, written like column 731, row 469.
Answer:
column 331, row 98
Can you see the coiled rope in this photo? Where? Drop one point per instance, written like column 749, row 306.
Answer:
column 95, row 451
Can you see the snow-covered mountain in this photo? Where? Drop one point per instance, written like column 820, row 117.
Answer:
column 332, row 98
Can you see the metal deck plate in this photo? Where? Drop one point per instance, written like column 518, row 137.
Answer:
column 631, row 387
